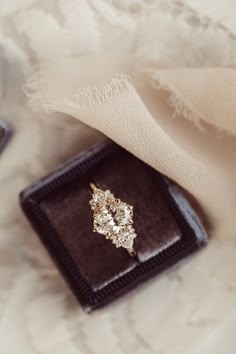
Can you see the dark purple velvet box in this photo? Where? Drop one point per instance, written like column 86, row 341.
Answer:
column 58, row 208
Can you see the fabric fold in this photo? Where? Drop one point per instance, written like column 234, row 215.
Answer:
column 130, row 110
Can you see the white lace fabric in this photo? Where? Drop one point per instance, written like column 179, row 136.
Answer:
column 192, row 308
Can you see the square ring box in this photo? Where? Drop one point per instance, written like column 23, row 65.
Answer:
column 58, row 208
column 4, row 135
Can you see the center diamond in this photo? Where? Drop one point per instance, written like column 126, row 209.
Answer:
column 104, row 223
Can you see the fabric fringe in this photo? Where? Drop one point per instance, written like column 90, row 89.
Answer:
column 88, row 98
column 178, row 104
column 84, row 98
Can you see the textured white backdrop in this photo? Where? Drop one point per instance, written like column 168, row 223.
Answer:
column 38, row 315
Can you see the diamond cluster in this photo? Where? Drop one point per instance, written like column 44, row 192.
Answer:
column 113, row 218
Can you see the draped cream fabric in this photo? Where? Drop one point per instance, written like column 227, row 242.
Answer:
column 134, row 112
column 167, row 94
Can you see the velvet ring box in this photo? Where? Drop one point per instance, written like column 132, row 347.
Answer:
column 58, row 207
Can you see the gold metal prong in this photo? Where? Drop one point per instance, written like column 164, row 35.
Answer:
column 131, row 252
column 93, row 186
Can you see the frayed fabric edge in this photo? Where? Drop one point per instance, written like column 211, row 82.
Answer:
column 177, row 103
column 88, row 97
column 84, row 98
